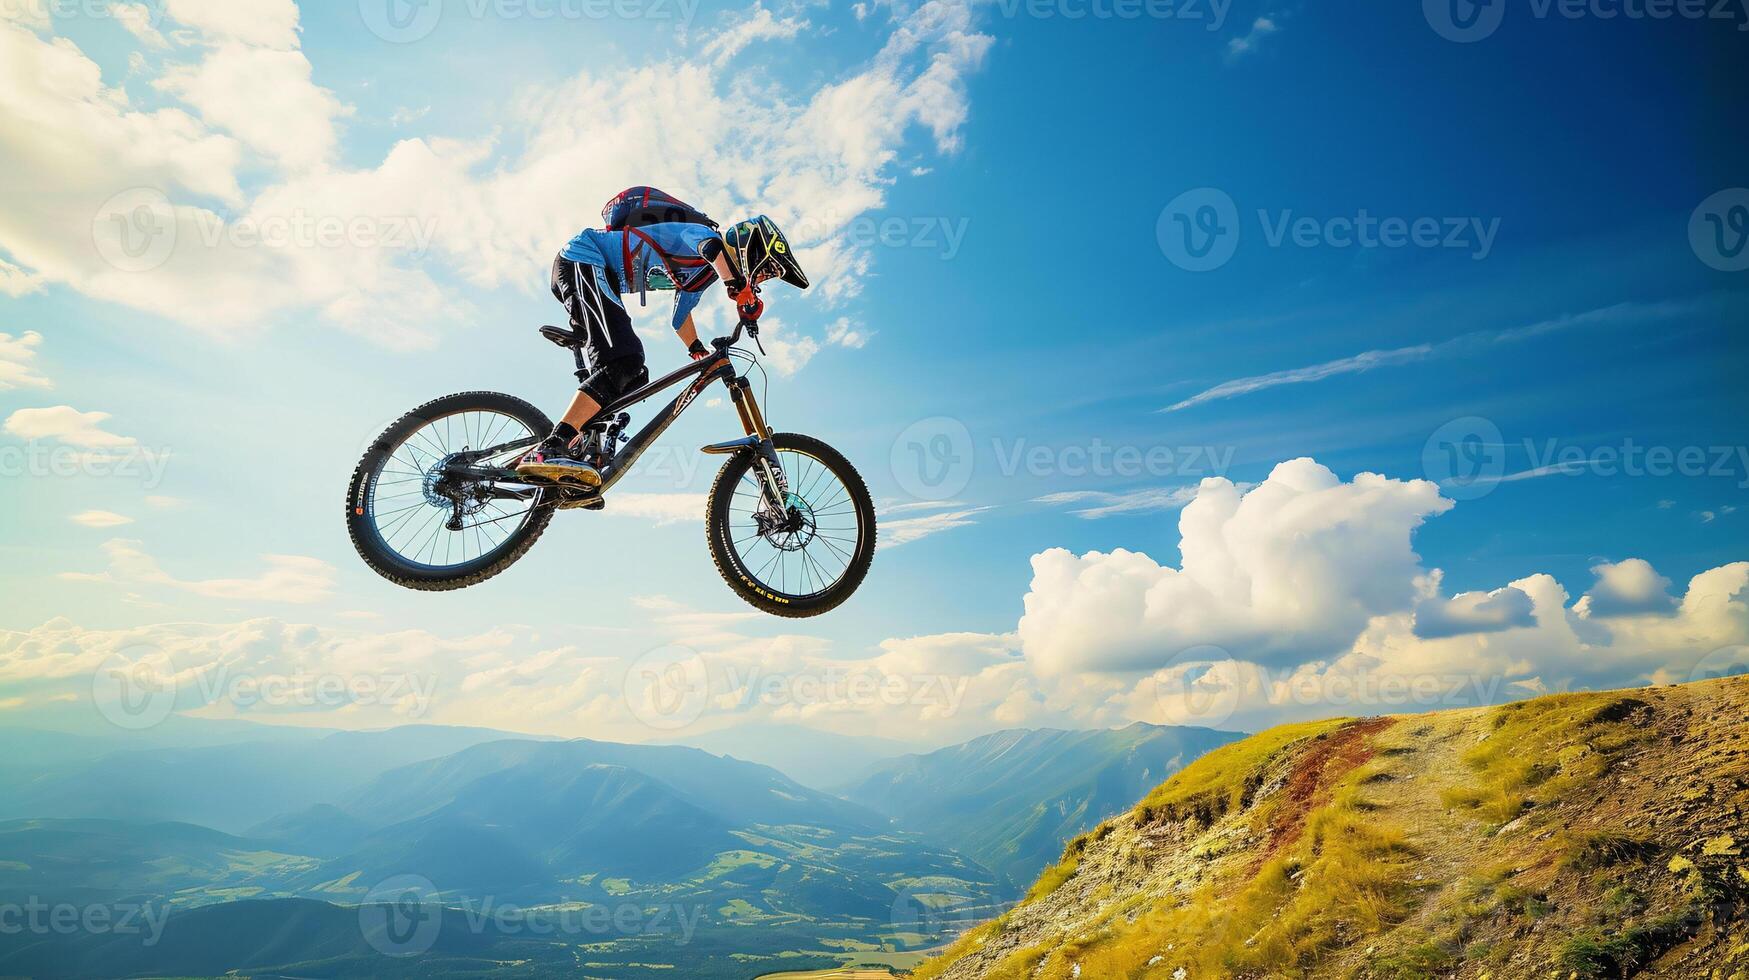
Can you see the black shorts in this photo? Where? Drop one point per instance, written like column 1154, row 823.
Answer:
column 613, row 356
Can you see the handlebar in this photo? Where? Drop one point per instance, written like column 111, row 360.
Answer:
column 749, row 326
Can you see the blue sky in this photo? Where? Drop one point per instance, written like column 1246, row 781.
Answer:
column 1028, row 301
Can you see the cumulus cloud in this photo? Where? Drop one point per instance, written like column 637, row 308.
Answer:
column 18, row 361
column 1628, row 588
column 1288, row 572
column 265, row 98
column 1473, row 612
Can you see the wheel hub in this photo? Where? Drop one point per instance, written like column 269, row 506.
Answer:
column 793, row 529
column 465, row 498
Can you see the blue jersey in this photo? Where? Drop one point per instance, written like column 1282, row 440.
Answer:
column 659, row 256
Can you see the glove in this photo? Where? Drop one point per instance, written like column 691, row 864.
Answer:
column 698, row 350
column 734, row 286
column 750, row 311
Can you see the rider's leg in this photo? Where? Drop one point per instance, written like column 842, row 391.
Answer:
column 615, row 359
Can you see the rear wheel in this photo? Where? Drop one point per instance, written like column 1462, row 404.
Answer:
column 807, row 559
column 419, row 527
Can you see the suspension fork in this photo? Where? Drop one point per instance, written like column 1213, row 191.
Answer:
column 772, row 478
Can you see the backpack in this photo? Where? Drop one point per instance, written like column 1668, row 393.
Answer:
column 636, row 207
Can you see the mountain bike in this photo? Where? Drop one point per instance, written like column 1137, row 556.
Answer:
column 436, row 504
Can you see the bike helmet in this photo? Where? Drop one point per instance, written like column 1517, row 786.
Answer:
column 760, row 252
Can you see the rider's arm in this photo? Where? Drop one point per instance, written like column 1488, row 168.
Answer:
column 689, row 335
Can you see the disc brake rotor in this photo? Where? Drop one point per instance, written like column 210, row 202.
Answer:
column 792, row 530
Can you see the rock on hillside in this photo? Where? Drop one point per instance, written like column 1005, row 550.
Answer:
column 1576, row 835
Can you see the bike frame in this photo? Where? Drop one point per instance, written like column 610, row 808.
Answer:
column 698, row 375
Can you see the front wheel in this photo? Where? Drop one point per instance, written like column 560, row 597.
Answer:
column 807, row 559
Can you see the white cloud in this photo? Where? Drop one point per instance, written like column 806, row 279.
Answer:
column 1100, row 504
column 287, row 578
column 266, row 23
column 760, row 25
column 660, row 508
column 265, row 98
column 489, row 210
column 1469, row 343
column 16, row 282
column 1628, row 588
column 893, row 533
column 407, row 115
column 66, row 424
column 1290, row 571
column 140, row 21
column 1261, row 28
column 1473, row 612
column 941, row 687
column 845, row 334
column 18, row 361
column 100, row 518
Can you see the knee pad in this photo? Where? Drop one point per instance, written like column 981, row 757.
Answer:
column 613, row 379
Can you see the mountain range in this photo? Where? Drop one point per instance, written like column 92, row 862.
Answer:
column 1010, row 799
column 583, row 844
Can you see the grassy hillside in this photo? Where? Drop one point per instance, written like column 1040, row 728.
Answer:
column 1582, row 835
column 1010, row 799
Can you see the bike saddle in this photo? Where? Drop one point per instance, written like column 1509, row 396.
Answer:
column 563, row 336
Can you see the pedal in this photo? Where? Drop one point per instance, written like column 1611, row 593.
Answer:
column 594, row 501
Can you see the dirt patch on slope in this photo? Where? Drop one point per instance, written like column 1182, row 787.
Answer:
column 1309, row 782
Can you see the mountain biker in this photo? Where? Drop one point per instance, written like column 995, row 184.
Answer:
column 597, row 267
